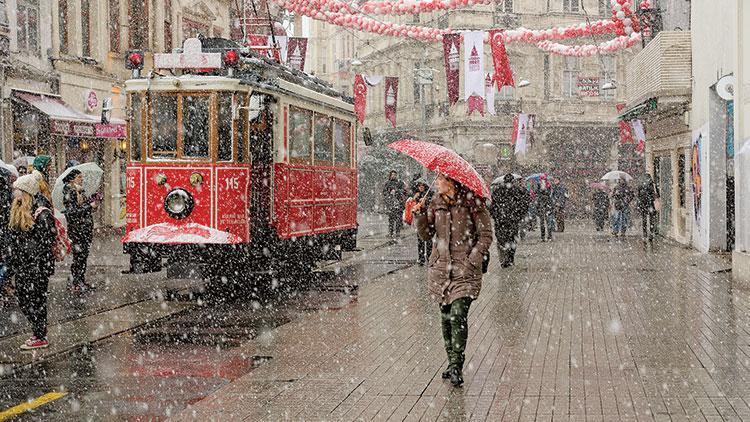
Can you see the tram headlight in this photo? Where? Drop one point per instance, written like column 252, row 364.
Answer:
column 178, row 203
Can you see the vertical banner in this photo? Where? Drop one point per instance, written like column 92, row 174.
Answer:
column 296, row 51
column 391, row 99
column 695, row 171
column 451, row 57
column 360, row 97
column 639, row 134
column 474, row 71
column 503, row 73
column 626, row 132
column 489, row 93
column 281, row 44
column 520, row 132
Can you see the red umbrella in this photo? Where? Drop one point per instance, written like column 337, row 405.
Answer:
column 444, row 161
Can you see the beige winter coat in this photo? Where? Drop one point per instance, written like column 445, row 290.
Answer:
column 461, row 238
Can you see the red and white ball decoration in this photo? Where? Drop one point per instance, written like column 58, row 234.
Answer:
column 624, row 23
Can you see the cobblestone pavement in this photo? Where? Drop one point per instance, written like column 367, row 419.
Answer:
column 587, row 327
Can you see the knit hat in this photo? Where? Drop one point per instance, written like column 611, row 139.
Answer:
column 41, row 161
column 28, row 183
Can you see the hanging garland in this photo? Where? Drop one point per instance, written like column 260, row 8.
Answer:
column 624, row 23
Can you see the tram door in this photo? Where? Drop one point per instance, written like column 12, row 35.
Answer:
column 260, row 120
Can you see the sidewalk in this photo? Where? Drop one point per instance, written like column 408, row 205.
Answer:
column 587, row 327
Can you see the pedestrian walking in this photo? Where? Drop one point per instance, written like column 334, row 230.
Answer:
column 621, row 199
column 559, row 200
column 545, row 210
column 647, row 197
column 32, row 234
column 394, row 199
column 461, row 225
column 79, row 212
column 424, row 247
column 508, row 209
column 600, row 201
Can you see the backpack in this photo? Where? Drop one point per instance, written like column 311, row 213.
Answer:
column 61, row 247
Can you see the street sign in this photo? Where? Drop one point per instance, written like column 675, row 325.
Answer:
column 588, row 86
column 192, row 57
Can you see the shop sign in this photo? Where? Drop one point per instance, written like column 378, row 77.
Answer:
column 91, row 100
column 109, row 131
column 588, row 86
column 60, row 127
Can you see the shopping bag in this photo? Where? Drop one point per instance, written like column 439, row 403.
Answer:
column 408, row 217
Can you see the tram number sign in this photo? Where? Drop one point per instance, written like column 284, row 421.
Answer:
column 192, row 57
column 233, row 183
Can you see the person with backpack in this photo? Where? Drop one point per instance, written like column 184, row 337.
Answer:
column 32, row 235
column 461, row 225
column 647, row 197
column 79, row 212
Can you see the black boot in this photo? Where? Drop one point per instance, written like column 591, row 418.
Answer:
column 446, row 374
column 457, row 378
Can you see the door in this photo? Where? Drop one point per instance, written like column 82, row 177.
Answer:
column 665, row 190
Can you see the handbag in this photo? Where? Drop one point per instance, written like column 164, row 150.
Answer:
column 408, row 217
column 61, row 247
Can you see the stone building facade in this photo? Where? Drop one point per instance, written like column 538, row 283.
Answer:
column 67, row 56
column 575, row 136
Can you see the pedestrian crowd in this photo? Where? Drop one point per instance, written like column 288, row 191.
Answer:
column 455, row 225
column 32, row 239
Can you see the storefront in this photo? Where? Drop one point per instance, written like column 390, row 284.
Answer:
column 45, row 124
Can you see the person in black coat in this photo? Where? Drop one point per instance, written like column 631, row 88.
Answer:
column 32, row 235
column 394, row 201
column 424, row 247
column 79, row 212
column 601, row 208
column 6, row 198
column 647, row 197
column 545, row 210
column 509, row 207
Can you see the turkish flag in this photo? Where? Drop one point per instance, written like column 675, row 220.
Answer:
column 626, row 131
column 503, row 73
column 452, row 58
column 391, row 99
column 360, row 97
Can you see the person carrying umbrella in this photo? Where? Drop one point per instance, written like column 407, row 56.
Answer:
column 647, row 197
column 461, row 225
column 79, row 213
column 621, row 199
column 394, row 198
column 32, row 234
column 508, row 208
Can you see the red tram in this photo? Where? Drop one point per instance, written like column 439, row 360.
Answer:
column 238, row 164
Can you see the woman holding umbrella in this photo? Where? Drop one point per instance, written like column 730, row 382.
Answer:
column 79, row 213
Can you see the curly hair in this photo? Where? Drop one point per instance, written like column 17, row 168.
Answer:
column 20, row 213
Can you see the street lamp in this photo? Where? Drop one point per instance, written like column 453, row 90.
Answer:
column 356, row 62
column 609, row 85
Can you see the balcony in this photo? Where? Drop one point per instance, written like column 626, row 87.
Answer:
column 661, row 70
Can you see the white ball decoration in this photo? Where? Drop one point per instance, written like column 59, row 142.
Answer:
column 620, row 15
column 628, row 30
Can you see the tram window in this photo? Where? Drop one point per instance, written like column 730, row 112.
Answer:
column 323, row 140
column 195, row 126
column 136, row 103
column 241, row 128
column 300, row 129
column 164, row 125
column 342, row 142
column 225, row 127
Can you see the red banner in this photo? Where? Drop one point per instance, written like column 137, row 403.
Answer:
column 296, row 51
column 391, row 99
column 360, row 97
column 503, row 73
column 452, row 58
column 626, row 131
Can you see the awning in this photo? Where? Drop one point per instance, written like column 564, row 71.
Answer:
column 641, row 109
column 66, row 121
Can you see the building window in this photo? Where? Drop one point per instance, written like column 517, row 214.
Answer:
column 191, row 29
column 138, row 24
column 27, row 16
column 167, row 25
column 86, row 28
column 114, row 25
column 323, row 139
column 504, row 6
column 570, row 76
column 300, row 134
column 415, row 18
column 607, row 74
column 62, row 20
column 605, row 8
column 571, row 5
column 506, row 93
column 681, row 168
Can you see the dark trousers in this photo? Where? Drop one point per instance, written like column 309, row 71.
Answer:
column 546, row 220
column 31, row 290
column 80, row 260
column 455, row 323
column 506, row 245
column 394, row 223
column 424, row 250
column 648, row 221
column 560, row 218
